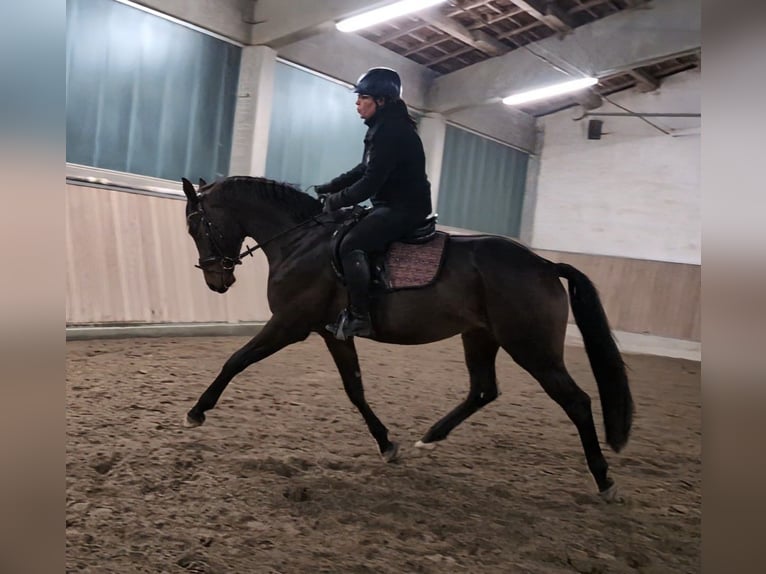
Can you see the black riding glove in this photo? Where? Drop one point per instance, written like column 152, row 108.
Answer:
column 332, row 202
column 321, row 190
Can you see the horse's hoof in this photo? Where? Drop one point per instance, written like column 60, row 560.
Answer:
column 193, row 421
column 425, row 445
column 611, row 495
column 391, row 453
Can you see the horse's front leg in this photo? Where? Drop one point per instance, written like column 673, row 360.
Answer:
column 275, row 335
column 347, row 361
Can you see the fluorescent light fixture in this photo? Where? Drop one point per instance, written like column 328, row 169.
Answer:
column 549, row 91
column 385, row 13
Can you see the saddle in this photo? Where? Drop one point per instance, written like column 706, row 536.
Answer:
column 412, row 262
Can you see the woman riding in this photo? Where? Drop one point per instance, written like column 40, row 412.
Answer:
column 392, row 175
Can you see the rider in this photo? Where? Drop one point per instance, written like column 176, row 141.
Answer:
column 392, row 175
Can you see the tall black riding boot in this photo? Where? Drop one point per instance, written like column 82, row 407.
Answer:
column 355, row 321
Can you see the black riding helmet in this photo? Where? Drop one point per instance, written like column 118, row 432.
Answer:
column 379, row 83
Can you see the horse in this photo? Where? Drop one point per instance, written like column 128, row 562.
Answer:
column 491, row 290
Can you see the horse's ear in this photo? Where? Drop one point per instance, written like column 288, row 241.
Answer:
column 191, row 193
column 202, row 182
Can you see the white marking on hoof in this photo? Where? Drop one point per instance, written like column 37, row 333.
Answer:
column 611, row 495
column 425, row 445
column 391, row 454
column 189, row 423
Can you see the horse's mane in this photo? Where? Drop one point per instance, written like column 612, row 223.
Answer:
column 288, row 197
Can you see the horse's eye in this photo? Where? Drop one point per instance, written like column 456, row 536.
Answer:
column 193, row 220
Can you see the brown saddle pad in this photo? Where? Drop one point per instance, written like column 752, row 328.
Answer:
column 414, row 265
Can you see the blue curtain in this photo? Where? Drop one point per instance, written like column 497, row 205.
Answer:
column 315, row 132
column 482, row 184
column 146, row 95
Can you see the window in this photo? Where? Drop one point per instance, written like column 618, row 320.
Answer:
column 482, row 184
column 146, row 95
column 315, row 132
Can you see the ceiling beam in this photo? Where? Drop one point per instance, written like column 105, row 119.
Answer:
column 467, row 7
column 623, row 41
column 401, row 32
column 509, row 13
column 636, row 3
column 548, row 13
column 427, row 45
column 680, row 67
column 645, row 81
column 449, row 56
column 586, row 6
column 630, row 5
column 489, row 44
column 516, row 31
column 475, row 38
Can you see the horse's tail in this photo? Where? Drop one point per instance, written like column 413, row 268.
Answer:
column 603, row 354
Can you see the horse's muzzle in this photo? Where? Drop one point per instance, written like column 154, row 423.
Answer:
column 220, row 282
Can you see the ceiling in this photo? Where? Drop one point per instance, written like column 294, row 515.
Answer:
column 460, row 33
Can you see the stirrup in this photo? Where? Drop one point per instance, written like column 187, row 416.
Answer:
column 337, row 328
column 342, row 330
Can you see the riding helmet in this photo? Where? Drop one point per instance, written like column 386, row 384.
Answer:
column 379, row 83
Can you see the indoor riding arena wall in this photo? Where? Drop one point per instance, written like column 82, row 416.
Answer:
column 130, row 261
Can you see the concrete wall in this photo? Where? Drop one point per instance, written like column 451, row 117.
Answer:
column 498, row 121
column 252, row 117
column 320, row 53
column 635, row 192
column 224, row 17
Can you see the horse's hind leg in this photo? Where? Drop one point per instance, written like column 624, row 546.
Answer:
column 274, row 336
column 347, row 361
column 552, row 375
column 480, row 352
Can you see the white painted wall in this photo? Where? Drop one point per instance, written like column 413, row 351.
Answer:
column 433, row 132
column 634, row 193
column 252, row 117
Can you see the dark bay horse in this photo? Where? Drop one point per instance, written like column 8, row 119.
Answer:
column 492, row 291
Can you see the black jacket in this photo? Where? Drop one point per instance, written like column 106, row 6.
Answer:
column 393, row 168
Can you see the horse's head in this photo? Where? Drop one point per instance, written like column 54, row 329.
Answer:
column 216, row 236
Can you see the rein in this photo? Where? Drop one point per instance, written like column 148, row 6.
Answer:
column 228, row 263
column 250, row 250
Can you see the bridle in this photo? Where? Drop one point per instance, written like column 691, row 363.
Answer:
column 227, row 262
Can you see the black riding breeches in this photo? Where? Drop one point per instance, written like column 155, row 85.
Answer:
column 378, row 229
